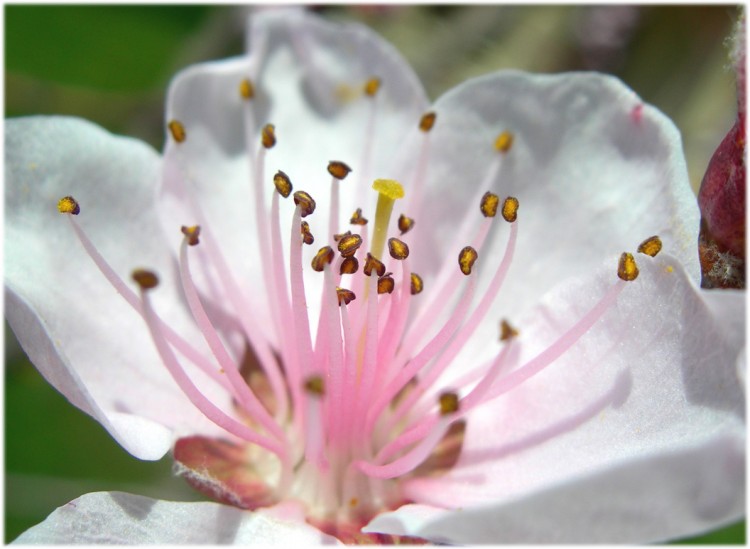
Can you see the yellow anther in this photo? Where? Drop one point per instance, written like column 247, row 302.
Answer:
column 507, row 331
column 373, row 264
column 466, row 259
column 427, row 121
column 307, row 236
column 305, row 203
column 177, row 130
column 372, row 86
column 389, row 188
column 345, row 296
column 398, row 248
column 417, row 285
column 247, row 90
column 357, row 218
column 405, row 224
column 145, row 279
column 282, row 183
column 489, row 204
column 68, row 205
column 504, row 142
column 349, row 244
column 337, row 169
column 386, row 284
column 627, row 270
column 510, row 209
column 339, row 236
column 350, row 265
column 651, row 246
column 449, row 403
column 324, row 256
column 192, row 234
column 268, row 136
column 315, row 385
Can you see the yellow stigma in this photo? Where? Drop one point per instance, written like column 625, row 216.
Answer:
column 627, row 270
column 68, row 205
column 504, row 142
column 247, row 90
column 388, row 192
column 651, row 246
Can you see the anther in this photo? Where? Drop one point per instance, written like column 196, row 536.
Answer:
column 345, row 296
column 466, row 259
column 373, row 263
column 247, row 90
column 449, row 403
column 386, row 284
column 337, row 169
column 145, row 279
column 627, row 269
column 416, row 284
column 68, row 205
column 510, row 209
column 339, row 236
column 268, row 136
column 489, row 204
column 305, row 202
column 651, row 246
column 372, row 86
column 307, row 236
column 504, row 142
column 398, row 248
column 192, row 234
column 283, row 184
column 349, row 244
column 507, row 331
column 324, row 256
column 177, row 130
column 350, row 265
column 427, row 121
column 357, row 218
column 315, row 385
column 405, row 224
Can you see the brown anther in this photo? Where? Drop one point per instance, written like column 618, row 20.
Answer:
column 307, row 236
column 507, row 331
column 372, row 86
column 651, row 246
column 350, row 265
column 427, row 121
column 247, row 90
column 466, row 259
column 282, row 183
column 627, row 270
column 345, row 296
column 177, row 130
column 449, row 403
column 349, row 244
column 489, row 204
column 357, row 218
column 68, row 205
column 386, row 284
column 339, row 236
column 268, row 136
column 337, row 169
column 145, row 279
column 305, row 203
column 192, row 234
column 417, row 285
column 405, row 224
column 315, row 385
column 373, row 263
column 324, row 256
column 510, row 209
column 504, row 142
column 398, row 248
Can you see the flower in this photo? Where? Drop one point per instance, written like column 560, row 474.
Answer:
column 338, row 403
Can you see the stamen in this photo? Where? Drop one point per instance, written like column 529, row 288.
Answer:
column 372, row 86
column 192, row 234
column 373, row 263
column 651, row 246
column 448, row 403
column 315, row 385
column 324, row 257
column 350, row 265
column 416, row 284
column 507, row 331
column 177, row 130
column 338, row 169
column 504, row 142
column 627, row 269
column 305, row 202
column 357, row 218
column 283, row 184
column 349, row 244
column 307, row 236
column 405, row 224
column 247, row 90
column 339, row 236
column 510, row 209
column 268, row 136
column 345, row 296
column 386, row 284
column 388, row 192
column 489, row 204
column 466, row 259
column 68, row 205
column 147, row 280
column 427, row 121
column 398, row 248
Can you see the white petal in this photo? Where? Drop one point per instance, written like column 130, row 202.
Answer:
column 635, row 434
column 81, row 335
column 118, row 518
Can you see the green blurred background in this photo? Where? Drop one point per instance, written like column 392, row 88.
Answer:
column 111, row 64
